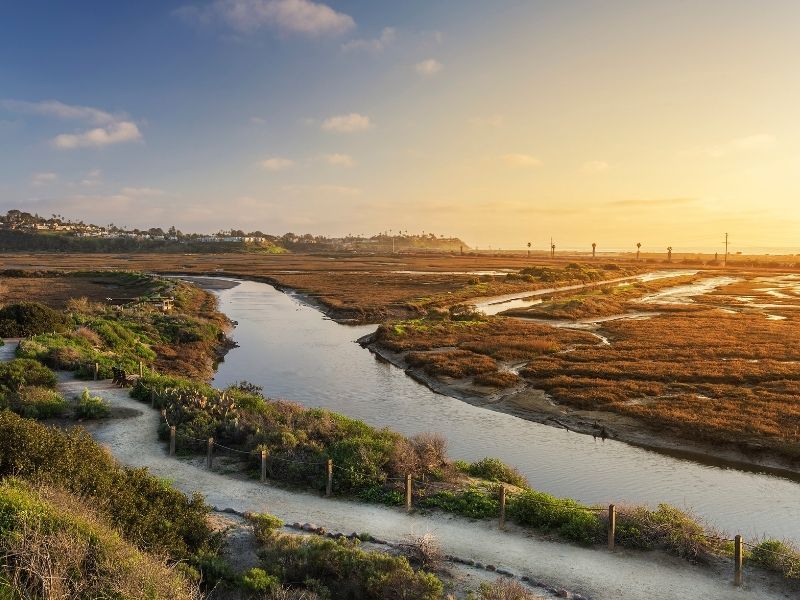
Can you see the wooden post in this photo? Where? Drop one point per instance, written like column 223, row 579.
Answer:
column 210, row 452
column 263, row 466
column 408, row 493
column 503, row 507
column 612, row 526
column 738, row 558
column 329, row 484
column 141, row 369
column 96, row 371
column 172, row 440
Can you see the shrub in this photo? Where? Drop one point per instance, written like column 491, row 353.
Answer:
column 257, row 580
column 264, row 525
column 562, row 516
column 667, row 528
column 35, row 402
column 23, row 371
column 473, row 503
column 92, row 407
column 64, row 358
column 505, row 589
column 775, row 555
column 493, row 469
column 29, row 318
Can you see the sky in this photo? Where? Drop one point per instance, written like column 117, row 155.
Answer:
column 503, row 122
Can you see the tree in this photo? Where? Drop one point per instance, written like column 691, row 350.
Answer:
column 638, row 248
column 594, row 248
column 529, row 249
column 669, row 254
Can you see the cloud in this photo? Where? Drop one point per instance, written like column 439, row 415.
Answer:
column 751, row 143
column 289, row 16
column 351, row 123
column 495, row 121
column 387, row 37
column 652, row 202
column 140, row 192
column 54, row 108
column 258, row 121
column 276, row 163
column 339, row 160
column 39, row 179
column 429, row 67
column 112, row 128
column 520, row 160
column 594, row 167
column 115, row 133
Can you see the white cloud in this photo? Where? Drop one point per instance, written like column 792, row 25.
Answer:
column 339, row 160
column 429, row 67
column 54, row 108
column 751, row 143
column 347, row 123
column 115, row 133
column 520, row 160
column 276, row 163
column 93, row 178
column 495, row 121
column 594, row 167
column 290, row 16
column 258, row 121
column 387, row 37
column 43, row 178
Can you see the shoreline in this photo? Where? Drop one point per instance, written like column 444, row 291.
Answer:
column 530, row 404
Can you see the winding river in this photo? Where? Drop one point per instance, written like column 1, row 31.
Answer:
column 296, row 353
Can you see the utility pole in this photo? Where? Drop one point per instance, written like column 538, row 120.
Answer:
column 726, row 250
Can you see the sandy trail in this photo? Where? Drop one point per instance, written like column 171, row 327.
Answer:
column 595, row 573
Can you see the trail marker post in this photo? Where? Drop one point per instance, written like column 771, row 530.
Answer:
column 408, row 493
column 503, row 507
column 738, row 559
column 172, row 440
column 329, row 479
column 612, row 526
column 210, row 452
column 96, row 371
column 263, row 466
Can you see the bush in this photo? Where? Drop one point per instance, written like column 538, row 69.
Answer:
column 22, row 371
column 493, row 469
column 257, row 580
column 505, row 589
column 778, row 556
column 29, row 318
column 37, row 403
column 667, row 528
column 473, row 503
column 562, row 516
column 264, row 525
column 92, row 407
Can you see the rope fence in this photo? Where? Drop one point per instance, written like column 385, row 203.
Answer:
column 411, row 485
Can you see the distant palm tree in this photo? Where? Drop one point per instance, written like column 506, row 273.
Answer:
column 594, row 248
column 552, row 250
column 638, row 248
column 529, row 249
column 669, row 254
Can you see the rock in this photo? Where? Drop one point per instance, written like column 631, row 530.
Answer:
column 296, row 526
column 308, row 527
column 562, row 593
column 320, row 531
column 502, row 571
column 491, row 568
column 469, row 562
column 479, row 565
column 525, row 578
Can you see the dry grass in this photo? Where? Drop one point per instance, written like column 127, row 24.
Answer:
column 56, row 291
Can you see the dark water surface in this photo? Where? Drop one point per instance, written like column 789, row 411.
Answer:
column 294, row 352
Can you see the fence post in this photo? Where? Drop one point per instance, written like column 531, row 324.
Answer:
column 738, row 557
column 263, row 466
column 503, row 507
column 96, row 371
column 172, row 440
column 329, row 484
column 210, row 452
column 141, row 369
column 612, row 526
column 408, row 493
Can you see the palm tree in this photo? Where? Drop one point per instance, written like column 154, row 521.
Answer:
column 552, row 249
column 638, row 248
column 529, row 249
column 669, row 254
column 594, row 248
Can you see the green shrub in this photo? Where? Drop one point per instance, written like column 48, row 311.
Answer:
column 667, row 528
column 264, row 524
column 92, row 407
column 562, row 516
column 23, row 371
column 257, row 580
column 493, row 469
column 473, row 503
column 778, row 556
column 29, row 318
column 35, row 402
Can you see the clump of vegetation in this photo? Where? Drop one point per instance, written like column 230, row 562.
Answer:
column 778, row 556
column 35, row 402
column 53, row 546
column 505, row 589
column 20, row 372
column 565, row 517
column 29, row 318
column 473, row 502
column 92, row 407
column 493, row 469
column 339, row 569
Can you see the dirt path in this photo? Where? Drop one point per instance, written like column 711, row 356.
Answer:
column 595, row 573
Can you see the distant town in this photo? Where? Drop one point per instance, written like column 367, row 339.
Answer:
column 23, row 230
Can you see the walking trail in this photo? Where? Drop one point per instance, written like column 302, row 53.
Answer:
column 601, row 575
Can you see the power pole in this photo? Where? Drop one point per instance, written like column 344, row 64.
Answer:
column 726, row 250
